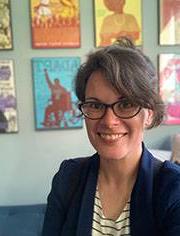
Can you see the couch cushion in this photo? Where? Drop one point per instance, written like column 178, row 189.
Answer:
column 21, row 220
column 176, row 148
column 161, row 154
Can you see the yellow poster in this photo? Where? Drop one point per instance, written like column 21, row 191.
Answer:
column 117, row 18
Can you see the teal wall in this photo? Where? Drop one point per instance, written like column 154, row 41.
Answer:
column 30, row 158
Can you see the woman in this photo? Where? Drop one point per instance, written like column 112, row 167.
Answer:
column 122, row 189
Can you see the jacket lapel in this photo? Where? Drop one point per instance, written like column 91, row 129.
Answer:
column 141, row 211
column 86, row 212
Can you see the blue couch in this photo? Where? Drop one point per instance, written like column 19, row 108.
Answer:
column 22, row 220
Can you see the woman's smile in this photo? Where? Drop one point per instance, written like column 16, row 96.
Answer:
column 111, row 137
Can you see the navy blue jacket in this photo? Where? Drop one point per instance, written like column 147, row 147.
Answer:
column 154, row 207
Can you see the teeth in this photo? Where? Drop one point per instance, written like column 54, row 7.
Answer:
column 111, row 136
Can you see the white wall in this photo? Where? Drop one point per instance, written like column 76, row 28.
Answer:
column 29, row 159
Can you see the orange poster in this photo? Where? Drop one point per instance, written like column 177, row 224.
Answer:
column 55, row 23
column 117, row 18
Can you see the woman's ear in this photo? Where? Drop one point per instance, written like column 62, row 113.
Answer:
column 148, row 118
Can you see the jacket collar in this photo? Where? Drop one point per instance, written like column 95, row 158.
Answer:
column 87, row 206
column 141, row 211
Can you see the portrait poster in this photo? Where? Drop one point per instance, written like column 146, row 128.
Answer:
column 115, row 19
column 169, row 65
column 55, row 100
column 8, row 108
column 55, row 23
column 169, row 22
column 5, row 25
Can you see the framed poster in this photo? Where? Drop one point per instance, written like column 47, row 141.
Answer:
column 169, row 65
column 114, row 19
column 8, row 110
column 5, row 25
column 169, row 17
column 55, row 23
column 55, row 101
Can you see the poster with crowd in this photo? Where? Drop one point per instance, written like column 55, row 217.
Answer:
column 55, row 23
column 170, row 86
column 55, row 100
column 8, row 108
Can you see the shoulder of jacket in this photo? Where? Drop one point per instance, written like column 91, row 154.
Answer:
column 70, row 165
column 67, row 169
column 169, row 180
column 167, row 193
column 170, row 170
column 74, row 162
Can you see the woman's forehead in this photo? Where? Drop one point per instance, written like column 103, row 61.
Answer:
column 99, row 87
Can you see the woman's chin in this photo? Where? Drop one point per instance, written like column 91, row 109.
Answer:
column 112, row 154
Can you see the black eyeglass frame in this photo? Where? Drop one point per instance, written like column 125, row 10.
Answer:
column 106, row 106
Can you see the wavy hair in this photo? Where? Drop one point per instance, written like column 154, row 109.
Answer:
column 129, row 71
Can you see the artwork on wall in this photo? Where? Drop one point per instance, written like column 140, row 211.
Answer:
column 5, row 25
column 55, row 23
column 169, row 66
column 169, row 22
column 8, row 108
column 55, row 101
column 114, row 19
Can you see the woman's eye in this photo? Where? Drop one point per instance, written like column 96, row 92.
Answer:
column 125, row 105
column 95, row 105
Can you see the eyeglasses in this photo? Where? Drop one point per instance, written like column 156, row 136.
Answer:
column 96, row 110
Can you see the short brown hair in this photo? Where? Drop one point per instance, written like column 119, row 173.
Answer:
column 129, row 71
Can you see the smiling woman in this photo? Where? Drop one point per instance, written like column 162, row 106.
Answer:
column 109, row 132
column 113, row 191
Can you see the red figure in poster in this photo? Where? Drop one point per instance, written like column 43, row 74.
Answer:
column 60, row 102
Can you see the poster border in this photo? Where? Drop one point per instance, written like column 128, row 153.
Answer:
column 15, row 91
column 11, row 30
column 166, row 121
column 162, row 42
column 34, row 99
column 33, row 46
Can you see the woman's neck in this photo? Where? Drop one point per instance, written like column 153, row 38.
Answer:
column 116, row 171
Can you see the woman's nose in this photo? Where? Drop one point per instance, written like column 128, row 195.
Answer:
column 109, row 117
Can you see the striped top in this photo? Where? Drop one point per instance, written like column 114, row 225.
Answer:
column 104, row 226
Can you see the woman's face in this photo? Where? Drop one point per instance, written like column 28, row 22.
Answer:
column 113, row 137
column 114, row 5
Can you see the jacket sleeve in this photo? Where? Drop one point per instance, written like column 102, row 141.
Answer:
column 55, row 211
column 170, row 202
